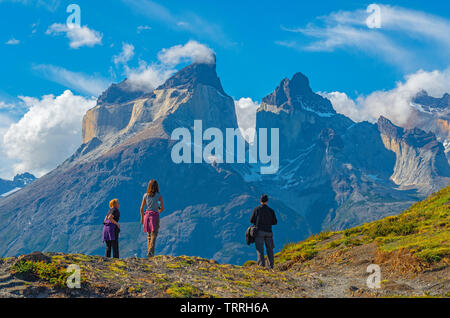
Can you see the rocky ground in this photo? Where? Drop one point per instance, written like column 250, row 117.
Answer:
column 330, row 274
column 412, row 251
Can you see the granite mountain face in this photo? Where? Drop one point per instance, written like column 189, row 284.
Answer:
column 334, row 173
column 420, row 158
column 433, row 115
column 126, row 142
column 337, row 173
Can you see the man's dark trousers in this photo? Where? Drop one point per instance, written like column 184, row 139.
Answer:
column 264, row 238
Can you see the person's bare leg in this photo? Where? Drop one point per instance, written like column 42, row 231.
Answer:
column 153, row 236
column 149, row 244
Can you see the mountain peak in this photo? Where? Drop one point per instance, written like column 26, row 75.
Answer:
column 296, row 94
column 118, row 94
column 429, row 102
column 193, row 75
column 287, row 90
column 24, row 178
column 386, row 127
column 299, row 84
column 414, row 137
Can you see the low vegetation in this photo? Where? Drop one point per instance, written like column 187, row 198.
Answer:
column 183, row 291
column 51, row 273
column 412, row 248
column 422, row 230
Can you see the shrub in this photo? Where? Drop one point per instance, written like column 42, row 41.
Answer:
column 52, row 273
column 386, row 228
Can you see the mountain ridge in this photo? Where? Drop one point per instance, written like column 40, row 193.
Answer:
column 19, row 181
column 340, row 171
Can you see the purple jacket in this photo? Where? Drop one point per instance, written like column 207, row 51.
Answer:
column 109, row 231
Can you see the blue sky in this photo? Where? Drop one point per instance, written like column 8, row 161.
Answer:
column 257, row 44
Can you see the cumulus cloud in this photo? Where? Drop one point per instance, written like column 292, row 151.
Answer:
column 6, row 172
column 5, row 122
column 78, row 35
column 47, row 134
column 125, row 55
column 12, row 41
column 402, row 33
column 394, row 104
column 345, row 105
column 87, row 84
column 146, row 77
column 246, row 116
column 192, row 50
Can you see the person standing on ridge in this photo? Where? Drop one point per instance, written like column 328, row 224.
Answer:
column 263, row 217
column 152, row 204
column 111, row 229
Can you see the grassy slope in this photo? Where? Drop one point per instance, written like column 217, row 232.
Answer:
column 422, row 230
column 324, row 265
column 161, row 276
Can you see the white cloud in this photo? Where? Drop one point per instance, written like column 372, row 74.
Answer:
column 345, row 105
column 246, row 116
column 418, row 23
column 5, row 106
column 402, row 35
column 92, row 85
column 141, row 28
column 78, row 35
column 146, row 77
column 125, row 55
column 6, row 171
column 5, row 122
column 192, row 50
column 12, row 41
column 47, row 134
column 395, row 103
column 370, row 41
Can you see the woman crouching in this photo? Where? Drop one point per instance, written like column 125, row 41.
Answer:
column 111, row 229
column 152, row 203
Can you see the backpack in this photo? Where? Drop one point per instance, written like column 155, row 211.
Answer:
column 250, row 234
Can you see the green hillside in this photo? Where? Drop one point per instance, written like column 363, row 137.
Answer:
column 421, row 231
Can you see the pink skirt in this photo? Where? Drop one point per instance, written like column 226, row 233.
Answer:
column 150, row 221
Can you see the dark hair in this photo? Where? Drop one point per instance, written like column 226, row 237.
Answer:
column 264, row 198
column 152, row 188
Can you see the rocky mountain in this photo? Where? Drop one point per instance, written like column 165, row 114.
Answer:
column 432, row 115
column 420, row 159
column 333, row 173
column 208, row 205
column 18, row 182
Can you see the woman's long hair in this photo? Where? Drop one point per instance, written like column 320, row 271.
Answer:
column 152, row 188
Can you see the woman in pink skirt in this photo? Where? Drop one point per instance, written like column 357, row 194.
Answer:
column 152, row 204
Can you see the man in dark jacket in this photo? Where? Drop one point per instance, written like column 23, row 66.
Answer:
column 263, row 217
